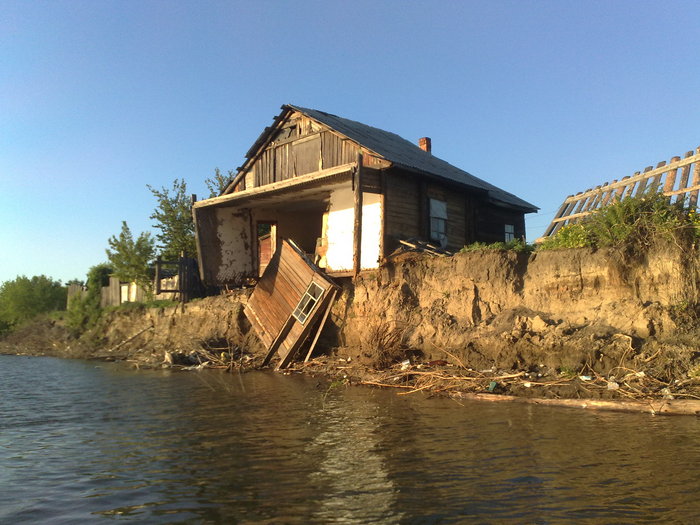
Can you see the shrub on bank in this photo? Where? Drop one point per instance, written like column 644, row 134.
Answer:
column 24, row 298
column 516, row 245
column 632, row 224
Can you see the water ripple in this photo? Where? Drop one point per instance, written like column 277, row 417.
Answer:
column 81, row 442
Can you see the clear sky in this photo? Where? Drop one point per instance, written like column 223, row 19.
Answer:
column 544, row 99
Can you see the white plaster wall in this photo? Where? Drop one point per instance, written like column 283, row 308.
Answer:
column 233, row 232
column 341, row 221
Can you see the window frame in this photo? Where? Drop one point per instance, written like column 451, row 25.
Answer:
column 307, row 303
column 509, row 232
column 437, row 218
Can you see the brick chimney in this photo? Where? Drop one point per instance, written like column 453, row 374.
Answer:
column 424, row 143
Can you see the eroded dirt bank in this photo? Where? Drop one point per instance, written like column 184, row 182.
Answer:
column 573, row 323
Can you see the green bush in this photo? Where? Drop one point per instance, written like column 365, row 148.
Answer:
column 84, row 309
column 516, row 245
column 570, row 236
column 631, row 224
column 24, row 298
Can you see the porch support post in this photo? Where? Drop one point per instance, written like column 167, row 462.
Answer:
column 357, row 230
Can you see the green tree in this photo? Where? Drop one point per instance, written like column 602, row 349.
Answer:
column 84, row 309
column 24, row 298
column 173, row 218
column 218, row 182
column 130, row 258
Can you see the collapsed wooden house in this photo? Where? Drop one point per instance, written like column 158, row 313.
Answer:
column 346, row 193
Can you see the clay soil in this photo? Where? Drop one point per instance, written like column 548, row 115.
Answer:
column 552, row 325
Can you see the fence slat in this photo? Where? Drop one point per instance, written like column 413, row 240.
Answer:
column 693, row 201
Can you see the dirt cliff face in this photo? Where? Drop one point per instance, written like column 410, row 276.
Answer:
column 558, row 309
column 573, row 311
column 148, row 334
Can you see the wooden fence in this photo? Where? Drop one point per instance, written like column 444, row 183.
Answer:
column 672, row 179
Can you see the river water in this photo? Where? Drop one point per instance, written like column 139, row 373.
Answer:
column 85, row 442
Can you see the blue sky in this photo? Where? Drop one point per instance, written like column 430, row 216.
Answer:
column 544, row 99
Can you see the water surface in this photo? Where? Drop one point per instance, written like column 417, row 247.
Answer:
column 88, row 442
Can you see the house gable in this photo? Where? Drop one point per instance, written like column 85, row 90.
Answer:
column 294, row 146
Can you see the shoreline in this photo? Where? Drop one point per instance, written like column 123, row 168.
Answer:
column 409, row 383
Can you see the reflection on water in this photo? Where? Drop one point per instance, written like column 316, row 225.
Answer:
column 85, row 441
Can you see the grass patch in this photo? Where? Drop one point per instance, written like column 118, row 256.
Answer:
column 632, row 225
column 516, row 245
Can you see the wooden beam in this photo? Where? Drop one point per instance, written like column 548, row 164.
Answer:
column 382, row 211
column 357, row 228
column 284, row 184
column 334, row 293
column 286, row 327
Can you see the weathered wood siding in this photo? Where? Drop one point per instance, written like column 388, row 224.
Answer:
column 276, row 296
column 300, row 146
column 491, row 221
column 402, row 214
column 407, row 211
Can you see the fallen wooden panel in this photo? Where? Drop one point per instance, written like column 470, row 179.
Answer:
column 290, row 297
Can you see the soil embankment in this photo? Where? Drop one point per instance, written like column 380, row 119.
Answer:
column 570, row 323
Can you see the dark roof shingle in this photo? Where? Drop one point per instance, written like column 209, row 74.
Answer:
column 405, row 154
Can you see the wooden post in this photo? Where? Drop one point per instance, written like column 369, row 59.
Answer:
column 157, row 277
column 357, row 229
column 693, row 201
column 382, row 211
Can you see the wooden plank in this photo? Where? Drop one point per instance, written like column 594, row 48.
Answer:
column 592, row 200
column 608, row 194
column 557, row 216
column 642, row 184
column 303, row 332
column 685, row 173
column 693, row 198
column 331, row 300
column 232, row 197
column 357, row 226
column 278, row 339
column 671, row 176
column 656, row 179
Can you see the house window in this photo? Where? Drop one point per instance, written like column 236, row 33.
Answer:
column 510, row 232
column 438, row 222
column 307, row 302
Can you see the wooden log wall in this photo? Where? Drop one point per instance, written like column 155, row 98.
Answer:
column 679, row 180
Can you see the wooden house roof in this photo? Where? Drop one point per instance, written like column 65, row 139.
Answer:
column 397, row 150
